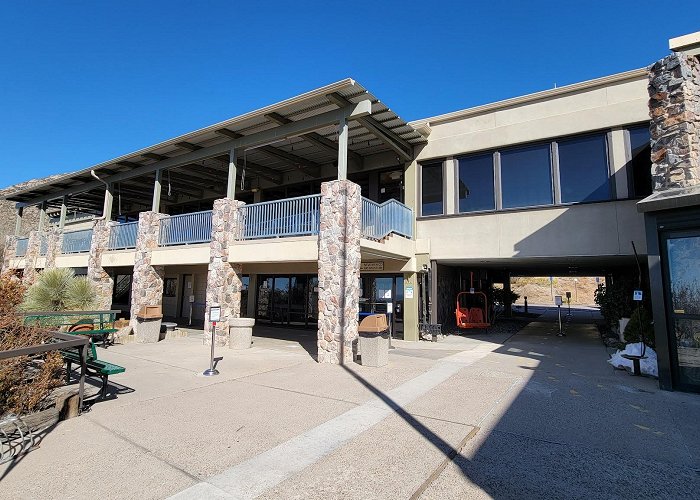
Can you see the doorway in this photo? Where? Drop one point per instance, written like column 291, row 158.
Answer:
column 682, row 294
column 383, row 294
column 290, row 300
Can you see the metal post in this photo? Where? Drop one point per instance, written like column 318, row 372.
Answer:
column 62, row 218
column 107, row 206
column 155, row 206
column 42, row 216
column 231, row 186
column 18, row 221
column 211, row 370
column 83, row 368
column 561, row 333
column 343, row 149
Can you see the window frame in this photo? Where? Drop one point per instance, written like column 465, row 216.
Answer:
column 551, row 174
column 494, row 177
column 432, row 163
column 606, row 133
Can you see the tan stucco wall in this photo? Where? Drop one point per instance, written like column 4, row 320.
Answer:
column 596, row 229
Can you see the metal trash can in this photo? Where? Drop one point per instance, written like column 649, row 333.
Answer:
column 240, row 333
column 374, row 340
column 148, row 322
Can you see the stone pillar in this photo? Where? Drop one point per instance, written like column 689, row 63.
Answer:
column 223, row 277
column 147, row 283
column 33, row 247
column 53, row 247
column 9, row 251
column 338, row 270
column 102, row 281
column 674, row 108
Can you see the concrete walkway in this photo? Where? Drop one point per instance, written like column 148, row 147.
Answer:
column 531, row 416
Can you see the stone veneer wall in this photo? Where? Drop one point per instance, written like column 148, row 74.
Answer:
column 147, row 283
column 9, row 251
column 54, row 245
column 224, row 278
column 338, row 270
column 103, row 282
column 33, row 247
column 674, row 108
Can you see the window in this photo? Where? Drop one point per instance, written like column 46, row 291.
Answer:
column 639, row 167
column 475, row 184
column 583, row 169
column 526, row 176
column 170, row 287
column 431, row 189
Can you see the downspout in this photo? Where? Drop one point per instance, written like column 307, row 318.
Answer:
column 92, row 172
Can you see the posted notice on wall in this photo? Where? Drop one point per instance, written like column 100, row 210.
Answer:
column 408, row 292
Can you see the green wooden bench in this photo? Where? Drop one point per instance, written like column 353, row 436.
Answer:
column 94, row 367
column 94, row 324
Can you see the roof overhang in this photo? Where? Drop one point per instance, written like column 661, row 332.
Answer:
column 296, row 134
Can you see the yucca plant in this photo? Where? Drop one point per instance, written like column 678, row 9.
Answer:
column 59, row 289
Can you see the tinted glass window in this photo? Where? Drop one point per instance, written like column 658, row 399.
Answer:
column 639, row 166
column 475, row 185
column 431, row 189
column 583, row 169
column 526, row 177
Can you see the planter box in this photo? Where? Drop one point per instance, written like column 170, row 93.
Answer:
column 240, row 333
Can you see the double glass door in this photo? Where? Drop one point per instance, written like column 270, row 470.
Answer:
column 682, row 272
column 288, row 300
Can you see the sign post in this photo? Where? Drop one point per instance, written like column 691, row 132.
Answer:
column 568, row 301
column 214, row 316
column 558, row 301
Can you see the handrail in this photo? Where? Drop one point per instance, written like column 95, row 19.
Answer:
column 380, row 220
column 185, row 229
column 21, row 249
column 123, row 235
column 77, row 241
column 297, row 216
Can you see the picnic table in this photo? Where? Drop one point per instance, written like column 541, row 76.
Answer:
column 94, row 324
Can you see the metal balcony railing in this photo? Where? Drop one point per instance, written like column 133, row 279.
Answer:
column 77, row 241
column 22, row 244
column 289, row 217
column 43, row 245
column 185, row 229
column 380, row 220
column 123, row 236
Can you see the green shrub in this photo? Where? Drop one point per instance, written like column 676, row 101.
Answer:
column 58, row 289
column 640, row 321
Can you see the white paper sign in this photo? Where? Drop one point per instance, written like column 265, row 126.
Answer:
column 637, row 296
column 408, row 292
column 389, row 308
column 557, row 300
column 214, row 314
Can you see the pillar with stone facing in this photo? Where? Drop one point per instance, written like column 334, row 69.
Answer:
column 101, row 280
column 223, row 277
column 338, row 270
column 9, row 252
column 147, row 281
column 54, row 242
column 674, row 109
column 33, row 246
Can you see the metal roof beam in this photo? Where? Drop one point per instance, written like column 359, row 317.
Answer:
column 402, row 147
column 310, row 167
column 315, row 138
column 293, row 129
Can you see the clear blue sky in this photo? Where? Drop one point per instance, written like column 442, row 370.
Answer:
column 83, row 82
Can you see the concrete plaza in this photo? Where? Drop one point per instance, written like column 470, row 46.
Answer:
column 526, row 416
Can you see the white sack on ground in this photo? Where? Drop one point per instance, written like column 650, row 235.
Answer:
column 648, row 365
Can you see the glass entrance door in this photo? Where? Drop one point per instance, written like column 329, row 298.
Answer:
column 682, row 271
column 288, row 300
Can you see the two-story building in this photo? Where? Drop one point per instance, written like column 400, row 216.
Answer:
column 308, row 210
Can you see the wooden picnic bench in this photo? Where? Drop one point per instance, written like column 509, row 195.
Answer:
column 94, row 324
column 94, row 367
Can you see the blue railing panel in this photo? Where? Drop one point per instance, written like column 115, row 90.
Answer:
column 22, row 244
column 123, row 236
column 43, row 245
column 380, row 220
column 77, row 241
column 186, row 229
column 289, row 217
